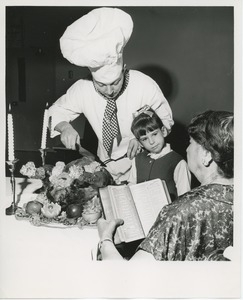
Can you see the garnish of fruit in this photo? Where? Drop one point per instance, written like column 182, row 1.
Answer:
column 33, row 207
column 74, row 211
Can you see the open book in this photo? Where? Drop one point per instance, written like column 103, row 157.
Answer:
column 138, row 205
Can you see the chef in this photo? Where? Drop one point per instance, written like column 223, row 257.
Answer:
column 111, row 95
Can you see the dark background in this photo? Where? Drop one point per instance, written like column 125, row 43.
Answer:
column 188, row 51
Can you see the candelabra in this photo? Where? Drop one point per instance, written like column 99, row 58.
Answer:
column 43, row 155
column 13, row 207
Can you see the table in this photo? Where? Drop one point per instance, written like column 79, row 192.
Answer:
column 31, row 254
column 40, row 262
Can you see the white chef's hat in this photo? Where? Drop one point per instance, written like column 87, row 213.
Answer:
column 97, row 40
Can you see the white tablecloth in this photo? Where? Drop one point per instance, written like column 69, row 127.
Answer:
column 31, row 254
column 39, row 262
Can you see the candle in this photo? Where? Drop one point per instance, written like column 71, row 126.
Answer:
column 10, row 136
column 44, row 128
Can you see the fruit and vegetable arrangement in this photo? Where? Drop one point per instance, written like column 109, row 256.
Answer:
column 69, row 193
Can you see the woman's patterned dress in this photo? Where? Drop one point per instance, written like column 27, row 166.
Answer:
column 197, row 226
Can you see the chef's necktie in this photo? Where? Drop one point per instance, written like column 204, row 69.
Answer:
column 110, row 128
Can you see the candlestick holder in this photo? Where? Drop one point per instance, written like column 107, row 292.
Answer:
column 43, row 155
column 13, row 207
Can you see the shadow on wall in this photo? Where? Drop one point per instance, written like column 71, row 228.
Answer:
column 163, row 78
column 179, row 141
column 178, row 137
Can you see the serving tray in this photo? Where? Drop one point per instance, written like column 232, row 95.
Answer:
column 61, row 222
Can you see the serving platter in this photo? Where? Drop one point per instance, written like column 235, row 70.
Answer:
column 61, row 222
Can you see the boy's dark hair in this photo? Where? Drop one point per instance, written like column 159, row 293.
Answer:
column 145, row 122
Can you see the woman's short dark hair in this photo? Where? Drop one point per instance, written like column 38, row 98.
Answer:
column 145, row 122
column 214, row 130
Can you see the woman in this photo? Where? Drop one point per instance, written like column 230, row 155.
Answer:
column 199, row 224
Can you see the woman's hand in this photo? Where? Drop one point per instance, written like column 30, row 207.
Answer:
column 108, row 250
column 133, row 148
column 107, row 229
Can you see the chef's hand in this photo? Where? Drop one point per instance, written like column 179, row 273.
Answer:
column 69, row 136
column 133, row 148
column 107, row 229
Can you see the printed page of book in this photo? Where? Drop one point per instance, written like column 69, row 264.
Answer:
column 149, row 198
column 106, row 203
column 125, row 209
column 110, row 213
